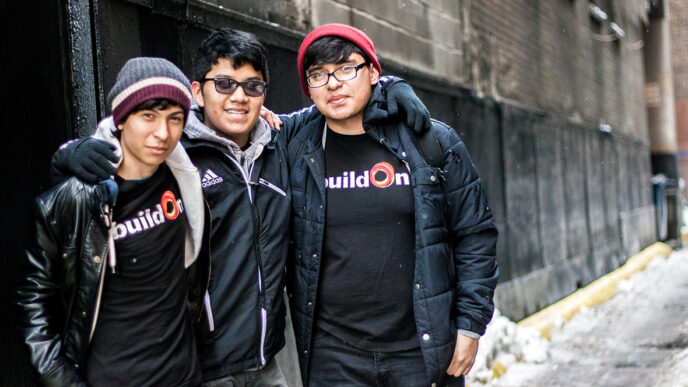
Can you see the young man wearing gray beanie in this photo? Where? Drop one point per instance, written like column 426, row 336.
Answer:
column 117, row 271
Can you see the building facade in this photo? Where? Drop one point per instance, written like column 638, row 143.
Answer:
column 549, row 96
column 679, row 65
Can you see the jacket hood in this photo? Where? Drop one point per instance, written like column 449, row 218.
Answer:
column 187, row 177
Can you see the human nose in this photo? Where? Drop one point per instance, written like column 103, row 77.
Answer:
column 332, row 81
column 162, row 130
column 238, row 95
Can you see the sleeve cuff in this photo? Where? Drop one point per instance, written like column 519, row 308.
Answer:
column 470, row 334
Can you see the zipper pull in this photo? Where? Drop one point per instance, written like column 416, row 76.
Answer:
column 209, row 311
column 112, row 257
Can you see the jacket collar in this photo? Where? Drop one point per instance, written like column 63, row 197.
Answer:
column 261, row 136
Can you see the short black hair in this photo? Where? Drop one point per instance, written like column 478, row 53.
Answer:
column 150, row 104
column 330, row 49
column 240, row 47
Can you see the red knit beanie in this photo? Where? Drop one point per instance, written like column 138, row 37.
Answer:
column 353, row 34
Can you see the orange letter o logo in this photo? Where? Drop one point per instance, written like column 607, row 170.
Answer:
column 382, row 167
column 169, row 205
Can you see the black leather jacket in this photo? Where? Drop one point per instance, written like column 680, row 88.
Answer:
column 58, row 292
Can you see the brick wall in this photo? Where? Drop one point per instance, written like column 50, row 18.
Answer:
column 679, row 64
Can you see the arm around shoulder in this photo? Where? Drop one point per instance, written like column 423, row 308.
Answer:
column 89, row 159
column 292, row 122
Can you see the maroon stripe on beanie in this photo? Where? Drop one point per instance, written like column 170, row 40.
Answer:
column 154, row 91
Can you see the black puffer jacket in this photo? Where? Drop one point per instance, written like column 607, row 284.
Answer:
column 455, row 266
column 58, row 292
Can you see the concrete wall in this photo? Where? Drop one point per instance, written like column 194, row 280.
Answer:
column 548, row 55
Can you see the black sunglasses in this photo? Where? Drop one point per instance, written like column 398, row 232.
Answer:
column 229, row 86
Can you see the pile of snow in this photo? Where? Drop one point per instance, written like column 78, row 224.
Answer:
column 504, row 344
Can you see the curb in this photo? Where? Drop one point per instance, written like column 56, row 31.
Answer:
column 597, row 292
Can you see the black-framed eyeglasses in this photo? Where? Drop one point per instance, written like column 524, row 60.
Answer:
column 341, row 74
column 229, row 86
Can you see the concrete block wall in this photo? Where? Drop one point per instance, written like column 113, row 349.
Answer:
column 548, row 55
column 292, row 14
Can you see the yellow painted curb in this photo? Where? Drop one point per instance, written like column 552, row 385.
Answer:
column 498, row 369
column 595, row 293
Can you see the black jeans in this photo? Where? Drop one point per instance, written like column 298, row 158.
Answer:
column 336, row 363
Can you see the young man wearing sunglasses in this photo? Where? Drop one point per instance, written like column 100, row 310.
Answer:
column 245, row 179
column 393, row 263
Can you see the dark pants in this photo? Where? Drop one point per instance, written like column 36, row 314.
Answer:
column 269, row 376
column 336, row 363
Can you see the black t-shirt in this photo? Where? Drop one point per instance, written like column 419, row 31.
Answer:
column 367, row 268
column 143, row 334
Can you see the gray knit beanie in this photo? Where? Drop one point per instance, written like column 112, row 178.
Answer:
column 142, row 79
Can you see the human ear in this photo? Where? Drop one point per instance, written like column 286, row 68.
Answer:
column 197, row 92
column 374, row 75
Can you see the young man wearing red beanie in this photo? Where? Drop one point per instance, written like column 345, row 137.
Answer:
column 392, row 268
column 117, row 271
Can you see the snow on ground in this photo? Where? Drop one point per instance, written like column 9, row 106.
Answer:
column 527, row 354
column 505, row 343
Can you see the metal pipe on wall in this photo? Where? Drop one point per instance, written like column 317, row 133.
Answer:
column 661, row 115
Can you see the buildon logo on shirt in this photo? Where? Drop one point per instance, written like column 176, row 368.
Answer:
column 169, row 208
column 381, row 175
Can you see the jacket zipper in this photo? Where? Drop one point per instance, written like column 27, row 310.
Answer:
column 109, row 249
column 272, row 186
column 206, row 297
column 263, row 311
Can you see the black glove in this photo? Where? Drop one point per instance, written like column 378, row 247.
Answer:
column 92, row 160
column 400, row 95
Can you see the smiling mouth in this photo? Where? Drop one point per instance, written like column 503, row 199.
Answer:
column 235, row 112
